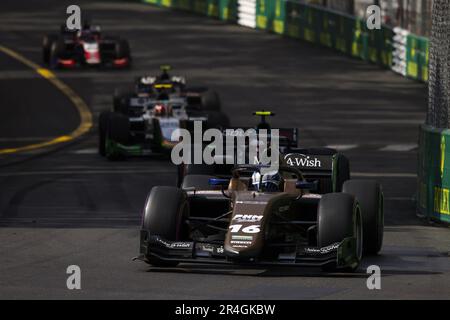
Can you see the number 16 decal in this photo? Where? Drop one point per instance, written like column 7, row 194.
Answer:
column 249, row 229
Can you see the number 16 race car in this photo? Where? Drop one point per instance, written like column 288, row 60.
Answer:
column 85, row 47
column 306, row 213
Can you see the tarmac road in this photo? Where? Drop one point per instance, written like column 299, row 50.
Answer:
column 69, row 206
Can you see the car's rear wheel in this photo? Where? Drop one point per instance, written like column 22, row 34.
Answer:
column 122, row 49
column 339, row 217
column 210, row 100
column 197, row 181
column 370, row 198
column 165, row 209
column 341, row 171
column 47, row 42
column 56, row 52
column 117, row 131
column 102, row 125
column 121, row 99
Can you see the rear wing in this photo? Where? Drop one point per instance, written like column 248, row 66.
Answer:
column 288, row 137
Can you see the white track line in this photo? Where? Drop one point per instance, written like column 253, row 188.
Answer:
column 400, row 147
column 342, row 147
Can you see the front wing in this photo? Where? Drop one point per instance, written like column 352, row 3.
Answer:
column 340, row 254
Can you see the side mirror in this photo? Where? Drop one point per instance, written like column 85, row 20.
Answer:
column 306, row 185
column 219, row 182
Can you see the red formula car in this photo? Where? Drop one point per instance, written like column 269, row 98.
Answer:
column 85, row 47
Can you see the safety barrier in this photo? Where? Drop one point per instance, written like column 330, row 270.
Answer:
column 433, row 199
column 397, row 49
column 221, row 9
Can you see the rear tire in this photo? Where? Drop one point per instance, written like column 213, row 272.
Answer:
column 370, row 198
column 56, row 51
column 341, row 172
column 339, row 217
column 210, row 100
column 193, row 169
column 117, row 130
column 163, row 216
column 102, row 124
column 47, row 42
column 197, row 181
column 121, row 100
column 122, row 49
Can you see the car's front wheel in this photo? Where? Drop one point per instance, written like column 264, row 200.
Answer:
column 339, row 217
column 164, row 211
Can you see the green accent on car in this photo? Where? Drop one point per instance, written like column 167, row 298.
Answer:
column 114, row 148
column 346, row 256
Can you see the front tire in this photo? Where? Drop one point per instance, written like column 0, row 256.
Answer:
column 163, row 216
column 339, row 217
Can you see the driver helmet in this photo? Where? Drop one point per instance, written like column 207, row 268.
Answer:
column 270, row 182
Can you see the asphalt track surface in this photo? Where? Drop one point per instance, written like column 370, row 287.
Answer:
column 68, row 205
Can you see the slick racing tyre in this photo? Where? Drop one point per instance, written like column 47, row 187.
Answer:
column 339, row 217
column 117, row 130
column 56, row 52
column 121, row 100
column 210, row 100
column 341, row 172
column 47, row 42
column 193, row 169
column 164, row 212
column 197, row 181
column 370, row 198
column 102, row 124
column 122, row 49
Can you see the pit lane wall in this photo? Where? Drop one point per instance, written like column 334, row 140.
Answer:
column 433, row 199
column 396, row 48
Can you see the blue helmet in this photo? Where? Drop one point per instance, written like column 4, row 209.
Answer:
column 270, row 182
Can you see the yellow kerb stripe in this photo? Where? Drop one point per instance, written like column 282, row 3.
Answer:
column 83, row 110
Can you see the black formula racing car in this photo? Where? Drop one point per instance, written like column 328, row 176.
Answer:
column 306, row 213
column 144, row 119
column 85, row 47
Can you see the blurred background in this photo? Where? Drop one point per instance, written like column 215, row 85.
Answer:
column 412, row 15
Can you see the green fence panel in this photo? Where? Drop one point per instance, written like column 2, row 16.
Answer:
column 264, row 14
column 434, row 174
column 182, row 4
column 228, row 10
column 417, row 57
column 294, row 14
column 360, row 45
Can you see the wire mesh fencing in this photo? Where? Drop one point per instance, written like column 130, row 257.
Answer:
column 439, row 68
